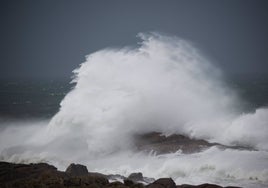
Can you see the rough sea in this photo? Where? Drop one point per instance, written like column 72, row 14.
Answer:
column 164, row 85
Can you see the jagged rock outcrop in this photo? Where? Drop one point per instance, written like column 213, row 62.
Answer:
column 161, row 144
column 47, row 176
column 76, row 176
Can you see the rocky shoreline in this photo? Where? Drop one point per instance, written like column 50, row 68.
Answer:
column 77, row 176
column 47, row 176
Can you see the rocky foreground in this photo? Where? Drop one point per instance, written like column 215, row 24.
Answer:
column 42, row 175
column 46, row 176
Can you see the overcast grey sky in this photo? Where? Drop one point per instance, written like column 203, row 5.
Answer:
column 49, row 38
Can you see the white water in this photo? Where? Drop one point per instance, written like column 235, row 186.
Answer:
column 165, row 85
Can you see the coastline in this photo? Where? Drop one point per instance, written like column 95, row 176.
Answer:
column 76, row 175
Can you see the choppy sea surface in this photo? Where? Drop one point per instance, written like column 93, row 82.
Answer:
column 25, row 99
column 35, row 100
column 165, row 85
column 31, row 98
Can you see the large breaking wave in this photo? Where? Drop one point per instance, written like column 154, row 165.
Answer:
column 164, row 85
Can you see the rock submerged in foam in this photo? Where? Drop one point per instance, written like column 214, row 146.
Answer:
column 76, row 176
column 161, row 144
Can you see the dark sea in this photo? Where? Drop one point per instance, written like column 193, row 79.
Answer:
column 32, row 99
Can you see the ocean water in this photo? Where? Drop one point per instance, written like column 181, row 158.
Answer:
column 35, row 99
column 25, row 99
column 164, row 84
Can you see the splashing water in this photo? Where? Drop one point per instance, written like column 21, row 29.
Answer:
column 164, row 85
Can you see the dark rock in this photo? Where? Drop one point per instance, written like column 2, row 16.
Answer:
column 136, row 177
column 161, row 144
column 30, row 175
column 137, row 185
column 46, row 176
column 116, row 184
column 162, row 183
column 72, row 182
column 11, row 172
column 148, row 180
column 77, row 170
column 132, row 184
column 100, row 180
column 185, row 186
column 206, row 185
column 96, row 174
column 128, row 182
column 92, row 181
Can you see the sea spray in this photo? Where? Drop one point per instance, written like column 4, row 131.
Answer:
column 164, row 84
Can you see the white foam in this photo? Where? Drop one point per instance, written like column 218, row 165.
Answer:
column 165, row 85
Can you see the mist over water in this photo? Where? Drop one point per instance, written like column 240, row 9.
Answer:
column 164, row 84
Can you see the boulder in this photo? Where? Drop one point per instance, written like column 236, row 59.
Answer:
column 47, row 176
column 77, row 170
column 162, row 183
column 135, row 177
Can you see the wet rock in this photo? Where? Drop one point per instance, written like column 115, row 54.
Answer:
column 77, row 170
column 116, row 177
column 73, row 181
column 96, row 174
column 162, row 183
column 30, row 175
column 100, row 180
column 160, row 144
column 148, row 180
column 137, row 185
column 46, row 176
column 128, row 182
column 135, row 177
column 116, row 184
column 82, row 181
column 206, row 185
column 186, row 186
column 11, row 172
